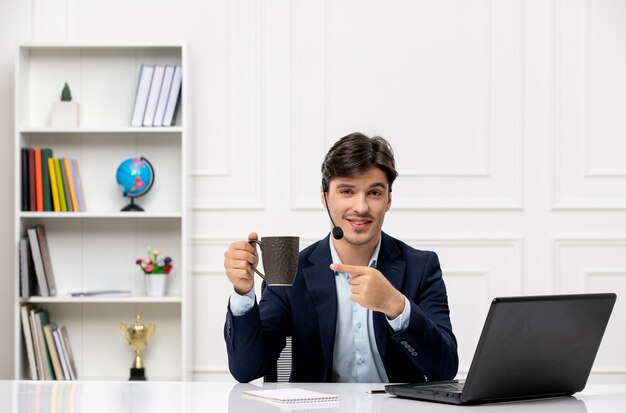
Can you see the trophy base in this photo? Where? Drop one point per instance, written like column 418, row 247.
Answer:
column 137, row 374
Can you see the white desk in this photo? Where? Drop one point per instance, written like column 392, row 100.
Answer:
column 171, row 397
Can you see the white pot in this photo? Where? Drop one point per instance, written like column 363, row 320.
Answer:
column 156, row 284
column 65, row 114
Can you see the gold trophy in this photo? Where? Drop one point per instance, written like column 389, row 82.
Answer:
column 137, row 336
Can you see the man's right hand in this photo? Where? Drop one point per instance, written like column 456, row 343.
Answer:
column 237, row 260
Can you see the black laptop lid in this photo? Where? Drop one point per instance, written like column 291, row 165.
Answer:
column 537, row 346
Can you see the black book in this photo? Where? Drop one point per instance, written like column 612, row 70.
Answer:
column 25, row 268
column 25, row 190
column 44, row 250
column 46, row 153
column 38, row 263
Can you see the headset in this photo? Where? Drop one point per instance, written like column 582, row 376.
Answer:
column 337, row 231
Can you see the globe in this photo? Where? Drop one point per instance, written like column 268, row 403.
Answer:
column 135, row 176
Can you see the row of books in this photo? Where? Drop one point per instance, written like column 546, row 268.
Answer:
column 50, row 184
column 47, row 345
column 158, row 92
column 36, row 274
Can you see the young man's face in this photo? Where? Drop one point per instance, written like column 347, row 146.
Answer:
column 358, row 205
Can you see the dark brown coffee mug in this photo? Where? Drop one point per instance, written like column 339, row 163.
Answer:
column 280, row 259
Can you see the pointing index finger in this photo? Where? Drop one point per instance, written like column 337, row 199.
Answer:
column 353, row 270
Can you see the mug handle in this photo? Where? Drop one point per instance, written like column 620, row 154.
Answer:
column 254, row 241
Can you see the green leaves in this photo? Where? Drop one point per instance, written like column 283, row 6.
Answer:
column 66, row 95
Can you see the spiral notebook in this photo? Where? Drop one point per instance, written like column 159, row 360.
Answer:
column 293, row 397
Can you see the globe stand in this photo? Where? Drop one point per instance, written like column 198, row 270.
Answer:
column 132, row 207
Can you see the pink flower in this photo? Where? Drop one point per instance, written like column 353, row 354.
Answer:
column 152, row 264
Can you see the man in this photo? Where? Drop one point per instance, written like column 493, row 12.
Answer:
column 364, row 307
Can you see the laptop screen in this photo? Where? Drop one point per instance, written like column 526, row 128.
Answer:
column 530, row 347
column 537, row 346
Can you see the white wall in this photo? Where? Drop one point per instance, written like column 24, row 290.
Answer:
column 507, row 118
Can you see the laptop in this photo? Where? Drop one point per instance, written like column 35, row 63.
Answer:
column 530, row 347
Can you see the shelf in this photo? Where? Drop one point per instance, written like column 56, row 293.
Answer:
column 98, row 249
column 139, row 299
column 98, row 215
column 102, row 46
column 102, row 130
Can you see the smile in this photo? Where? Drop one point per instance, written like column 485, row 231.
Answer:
column 359, row 223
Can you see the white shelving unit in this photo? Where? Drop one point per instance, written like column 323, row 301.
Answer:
column 97, row 249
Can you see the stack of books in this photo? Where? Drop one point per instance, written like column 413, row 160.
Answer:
column 47, row 345
column 50, row 184
column 158, row 94
column 36, row 274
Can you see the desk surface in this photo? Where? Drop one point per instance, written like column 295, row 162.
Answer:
column 96, row 397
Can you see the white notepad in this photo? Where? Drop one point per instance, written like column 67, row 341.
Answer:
column 292, row 396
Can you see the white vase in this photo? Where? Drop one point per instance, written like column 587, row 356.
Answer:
column 156, row 285
column 64, row 114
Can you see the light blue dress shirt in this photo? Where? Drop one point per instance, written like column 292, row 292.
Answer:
column 356, row 357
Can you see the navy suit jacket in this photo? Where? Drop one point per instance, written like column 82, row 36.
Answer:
column 307, row 311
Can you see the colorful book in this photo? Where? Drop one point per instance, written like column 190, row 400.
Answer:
column 60, row 188
column 32, row 191
column 163, row 95
column 53, row 186
column 67, row 349
column 42, row 320
column 58, row 341
column 25, row 268
column 153, row 96
column 66, row 186
column 38, row 262
column 32, row 316
column 46, row 153
column 172, row 99
column 53, row 350
column 46, row 260
column 38, row 180
column 25, row 189
column 141, row 96
column 70, row 183
column 78, row 185
column 28, row 339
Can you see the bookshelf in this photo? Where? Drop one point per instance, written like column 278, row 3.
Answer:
column 96, row 249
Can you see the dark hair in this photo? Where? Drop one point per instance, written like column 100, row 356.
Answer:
column 357, row 153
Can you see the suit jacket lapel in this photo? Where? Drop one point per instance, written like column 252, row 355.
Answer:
column 320, row 281
column 393, row 268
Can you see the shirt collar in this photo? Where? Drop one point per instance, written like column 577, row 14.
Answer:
column 337, row 260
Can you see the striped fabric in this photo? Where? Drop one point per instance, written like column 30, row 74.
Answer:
column 281, row 371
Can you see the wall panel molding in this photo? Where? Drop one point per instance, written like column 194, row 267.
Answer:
column 245, row 160
column 587, row 85
column 494, row 183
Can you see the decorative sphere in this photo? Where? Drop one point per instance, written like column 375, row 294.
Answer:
column 135, row 176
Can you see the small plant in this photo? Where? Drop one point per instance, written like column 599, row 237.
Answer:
column 152, row 264
column 66, row 95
